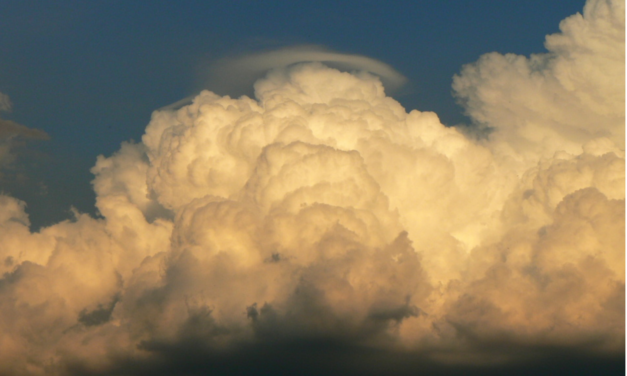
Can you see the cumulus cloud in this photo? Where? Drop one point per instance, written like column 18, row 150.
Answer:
column 321, row 225
column 235, row 75
column 557, row 100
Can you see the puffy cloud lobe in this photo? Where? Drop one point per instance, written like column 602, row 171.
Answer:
column 322, row 212
column 558, row 100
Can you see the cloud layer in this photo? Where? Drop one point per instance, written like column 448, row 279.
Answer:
column 322, row 216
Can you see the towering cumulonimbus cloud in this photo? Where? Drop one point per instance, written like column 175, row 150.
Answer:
column 322, row 212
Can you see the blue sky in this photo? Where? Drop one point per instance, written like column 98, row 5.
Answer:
column 90, row 73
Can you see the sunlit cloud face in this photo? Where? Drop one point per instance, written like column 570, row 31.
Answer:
column 319, row 224
column 236, row 75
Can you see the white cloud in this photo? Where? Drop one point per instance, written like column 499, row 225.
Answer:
column 322, row 209
column 557, row 100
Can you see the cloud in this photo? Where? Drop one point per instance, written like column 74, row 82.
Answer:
column 320, row 227
column 235, row 75
column 13, row 138
column 557, row 100
column 10, row 129
column 5, row 103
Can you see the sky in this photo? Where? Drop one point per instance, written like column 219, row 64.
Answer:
column 192, row 188
column 89, row 74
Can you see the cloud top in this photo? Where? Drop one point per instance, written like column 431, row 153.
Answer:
column 235, row 75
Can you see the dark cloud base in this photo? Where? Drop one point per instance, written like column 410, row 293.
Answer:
column 331, row 357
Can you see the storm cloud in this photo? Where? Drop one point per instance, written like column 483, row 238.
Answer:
column 320, row 227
